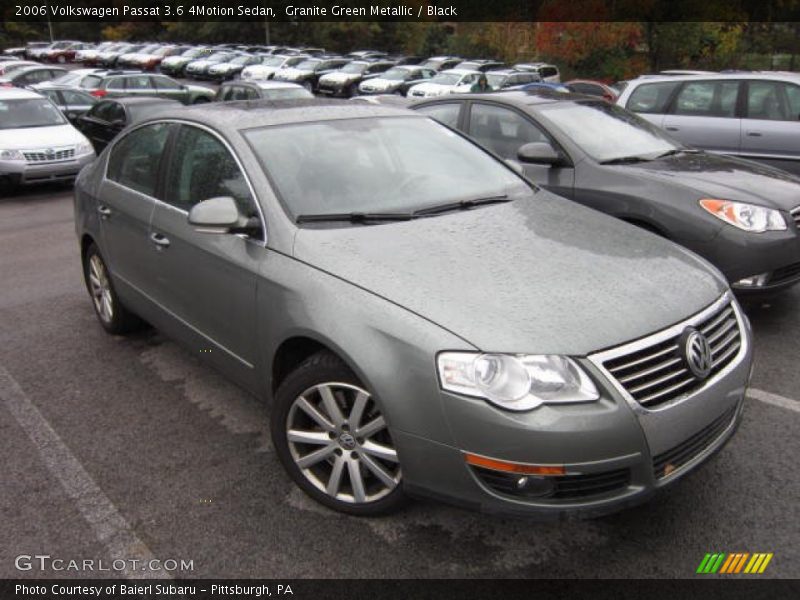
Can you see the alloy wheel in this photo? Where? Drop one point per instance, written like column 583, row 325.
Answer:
column 100, row 288
column 339, row 441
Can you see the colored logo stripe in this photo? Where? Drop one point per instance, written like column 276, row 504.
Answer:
column 720, row 562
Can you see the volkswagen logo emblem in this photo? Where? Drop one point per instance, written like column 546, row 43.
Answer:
column 696, row 353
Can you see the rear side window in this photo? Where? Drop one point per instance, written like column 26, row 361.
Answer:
column 134, row 160
column 116, row 84
column 502, row 130
column 793, row 100
column 773, row 101
column 444, row 113
column 652, row 97
column 140, row 82
column 707, row 99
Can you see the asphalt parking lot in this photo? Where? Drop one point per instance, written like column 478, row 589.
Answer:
column 131, row 447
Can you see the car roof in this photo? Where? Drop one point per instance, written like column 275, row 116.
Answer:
column 264, row 85
column 17, row 94
column 141, row 100
column 459, row 71
column 238, row 115
column 523, row 98
column 774, row 75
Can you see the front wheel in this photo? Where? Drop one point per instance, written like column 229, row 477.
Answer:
column 113, row 316
column 332, row 439
column 201, row 100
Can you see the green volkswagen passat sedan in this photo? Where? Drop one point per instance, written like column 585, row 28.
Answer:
column 423, row 320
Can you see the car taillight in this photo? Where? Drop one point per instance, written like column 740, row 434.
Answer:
column 98, row 93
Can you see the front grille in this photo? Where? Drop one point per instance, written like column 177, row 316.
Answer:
column 796, row 216
column 785, row 274
column 49, row 156
column 562, row 487
column 657, row 373
column 674, row 458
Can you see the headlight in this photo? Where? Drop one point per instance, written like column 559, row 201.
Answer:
column 516, row 382
column 749, row 217
column 11, row 155
column 84, row 148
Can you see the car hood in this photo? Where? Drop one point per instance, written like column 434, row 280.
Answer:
column 724, row 178
column 339, row 77
column 31, row 138
column 200, row 64
column 540, row 274
column 379, row 83
column 433, row 88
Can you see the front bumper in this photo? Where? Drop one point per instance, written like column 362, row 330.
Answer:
column 26, row 173
column 615, row 452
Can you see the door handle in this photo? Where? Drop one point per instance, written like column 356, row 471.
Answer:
column 673, row 129
column 104, row 211
column 754, row 133
column 159, row 240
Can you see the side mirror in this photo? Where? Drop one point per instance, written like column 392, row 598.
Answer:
column 218, row 215
column 539, row 153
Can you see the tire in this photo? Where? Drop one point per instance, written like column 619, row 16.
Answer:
column 201, row 100
column 308, row 86
column 352, row 91
column 61, row 59
column 354, row 467
column 113, row 316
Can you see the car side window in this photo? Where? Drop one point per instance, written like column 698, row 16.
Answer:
column 765, row 100
column 116, row 84
column 468, row 79
column 102, row 111
column 53, row 97
column 192, row 181
column 793, row 101
column 548, row 71
column 502, row 130
column 165, row 83
column 77, row 99
column 651, row 97
column 707, row 99
column 138, row 82
column 135, row 159
column 250, row 94
column 444, row 113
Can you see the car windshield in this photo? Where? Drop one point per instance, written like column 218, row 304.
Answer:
column 286, row 93
column 354, row 67
column 194, row 53
column 431, row 64
column 397, row 164
column 607, row 132
column 446, row 79
column 67, row 79
column 219, row 56
column 240, row 60
column 396, row 74
column 37, row 112
column 308, row 65
column 273, row 61
column 496, row 80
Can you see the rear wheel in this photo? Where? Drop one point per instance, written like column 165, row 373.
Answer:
column 332, row 439
column 113, row 316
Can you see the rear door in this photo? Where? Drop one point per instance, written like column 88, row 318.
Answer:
column 76, row 103
column 139, row 85
column 125, row 205
column 207, row 281
column 771, row 125
column 704, row 114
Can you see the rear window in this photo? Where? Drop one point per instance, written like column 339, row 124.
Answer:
column 652, row 97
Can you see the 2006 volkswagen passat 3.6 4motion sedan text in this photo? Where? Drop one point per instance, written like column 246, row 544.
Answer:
column 422, row 319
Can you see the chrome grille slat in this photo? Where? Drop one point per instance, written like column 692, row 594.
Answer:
column 619, row 368
column 796, row 216
column 722, row 316
column 657, row 372
column 55, row 155
column 650, row 371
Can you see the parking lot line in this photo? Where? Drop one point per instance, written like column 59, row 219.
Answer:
column 774, row 400
column 109, row 526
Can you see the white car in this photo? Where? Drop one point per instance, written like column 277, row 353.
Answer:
column 270, row 65
column 452, row 81
column 549, row 73
column 37, row 144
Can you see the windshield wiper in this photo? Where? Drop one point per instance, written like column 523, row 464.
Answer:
column 625, row 160
column 675, row 151
column 461, row 205
column 354, row 217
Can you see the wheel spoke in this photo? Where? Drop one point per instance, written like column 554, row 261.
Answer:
column 329, row 401
column 356, row 482
column 358, row 410
column 379, row 451
column 335, row 480
column 371, row 428
column 300, row 436
column 312, row 412
column 314, row 457
column 108, row 310
column 382, row 474
column 95, row 282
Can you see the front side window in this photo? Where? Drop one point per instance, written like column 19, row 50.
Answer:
column 166, row 84
column 652, row 97
column 191, row 178
column 444, row 113
column 503, row 130
column 707, row 99
column 394, row 164
column 773, row 101
column 134, row 160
